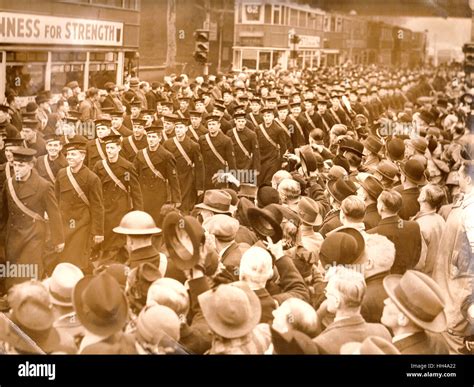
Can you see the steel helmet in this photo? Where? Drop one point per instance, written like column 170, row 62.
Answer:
column 137, row 223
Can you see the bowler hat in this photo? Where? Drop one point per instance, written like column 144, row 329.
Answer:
column 420, row 144
column 373, row 144
column 426, row 117
column 341, row 188
column 100, row 304
column 183, row 237
column 231, row 310
column 395, row 148
column 419, row 297
column 387, row 169
column 309, row 211
column 335, row 172
column 352, row 146
column 266, row 223
column 134, row 82
column 414, row 171
column 343, row 246
column 216, row 200
column 61, row 283
column 373, row 186
column 267, row 195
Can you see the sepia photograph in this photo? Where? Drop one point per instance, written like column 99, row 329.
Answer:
column 237, row 177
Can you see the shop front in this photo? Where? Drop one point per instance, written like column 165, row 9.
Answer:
column 45, row 53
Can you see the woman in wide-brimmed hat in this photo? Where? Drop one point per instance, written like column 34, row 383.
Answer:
column 233, row 312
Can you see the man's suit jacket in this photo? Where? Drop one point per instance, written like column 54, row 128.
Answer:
column 410, row 205
column 268, row 305
column 375, row 294
column 423, row 343
column 372, row 217
column 353, row 328
column 406, row 236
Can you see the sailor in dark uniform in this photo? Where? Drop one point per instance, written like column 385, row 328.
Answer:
column 49, row 164
column 156, row 168
column 121, row 191
column 272, row 144
column 132, row 144
column 217, row 152
column 96, row 147
column 247, row 153
column 189, row 165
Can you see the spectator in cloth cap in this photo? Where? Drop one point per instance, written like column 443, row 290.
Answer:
column 344, row 294
column 224, row 228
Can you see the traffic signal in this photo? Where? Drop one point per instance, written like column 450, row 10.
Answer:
column 201, row 45
column 295, row 39
column 468, row 50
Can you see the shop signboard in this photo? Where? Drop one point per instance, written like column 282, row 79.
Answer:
column 38, row 29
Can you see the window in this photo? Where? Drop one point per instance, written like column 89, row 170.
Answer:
column 102, row 68
column 277, row 58
column 110, row 3
column 127, row 4
column 283, row 15
column 276, row 14
column 327, row 23
column 249, row 59
column 268, row 13
column 293, row 17
column 317, row 21
column 61, row 74
column 303, row 19
column 239, row 14
column 25, row 78
column 339, row 24
column 264, row 60
column 333, row 24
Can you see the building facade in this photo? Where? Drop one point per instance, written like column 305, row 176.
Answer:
column 263, row 30
column 46, row 44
